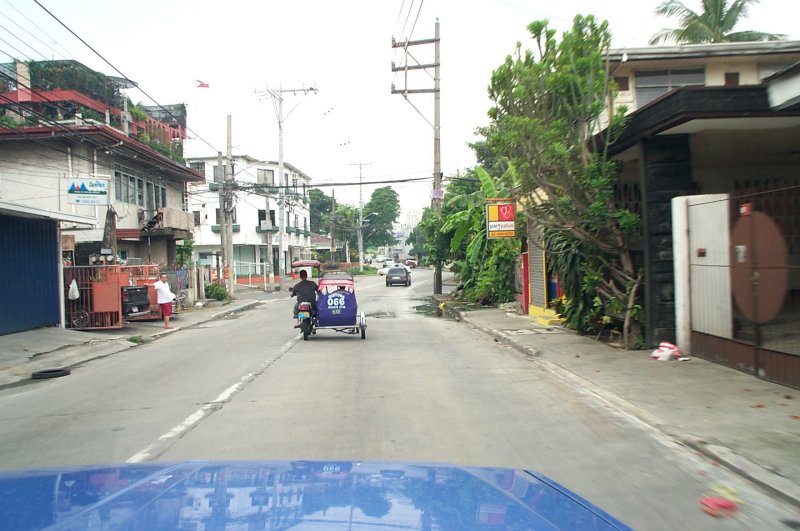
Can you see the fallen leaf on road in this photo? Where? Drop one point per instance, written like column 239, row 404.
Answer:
column 729, row 493
column 788, row 397
column 597, row 370
column 758, row 405
column 577, row 355
column 748, row 389
column 796, row 417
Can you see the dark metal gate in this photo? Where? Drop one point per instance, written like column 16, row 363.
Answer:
column 29, row 269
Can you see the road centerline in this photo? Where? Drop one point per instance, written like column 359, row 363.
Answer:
column 164, row 441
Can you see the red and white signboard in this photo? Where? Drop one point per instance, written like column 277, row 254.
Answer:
column 500, row 214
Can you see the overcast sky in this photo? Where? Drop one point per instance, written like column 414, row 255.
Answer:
column 343, row 48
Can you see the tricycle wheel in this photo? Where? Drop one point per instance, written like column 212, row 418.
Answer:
column 305, row 327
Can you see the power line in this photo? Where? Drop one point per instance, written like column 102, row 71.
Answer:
column 40, row 29
column 126, row 78
column 416, row 19
column 31, row 34
column 70, row 132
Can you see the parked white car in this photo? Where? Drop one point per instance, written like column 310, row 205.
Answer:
column 382, row 271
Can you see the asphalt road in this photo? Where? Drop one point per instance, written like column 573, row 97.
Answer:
column 418, row 388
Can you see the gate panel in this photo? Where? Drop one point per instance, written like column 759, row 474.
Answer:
column 736, row 354
column 709, row 259
column 29, row 269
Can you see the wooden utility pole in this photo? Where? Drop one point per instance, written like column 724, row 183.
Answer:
column 436, row 192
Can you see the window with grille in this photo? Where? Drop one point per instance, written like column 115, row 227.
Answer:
column 266, row 177
column 199, row 167
column 138, row 189
column 652, row 84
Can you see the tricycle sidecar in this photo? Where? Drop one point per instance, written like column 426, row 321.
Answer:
column 337, row 307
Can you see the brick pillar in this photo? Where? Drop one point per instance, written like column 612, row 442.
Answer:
column 666, row 172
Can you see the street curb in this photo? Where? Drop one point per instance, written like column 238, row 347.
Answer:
column 769, row 481
column 773, row 483
column 129, row 345
column 243, row 307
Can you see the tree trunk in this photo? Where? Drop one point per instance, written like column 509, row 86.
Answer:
column 630, row 330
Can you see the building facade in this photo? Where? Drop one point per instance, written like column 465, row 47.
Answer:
column 256, row 214
column 103, row 182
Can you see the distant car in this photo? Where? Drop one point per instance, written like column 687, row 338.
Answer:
column 398, row 275
column 388, row 262
column 411, row 263
column 382, row 271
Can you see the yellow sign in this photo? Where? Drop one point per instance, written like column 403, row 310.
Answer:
column 500, row 214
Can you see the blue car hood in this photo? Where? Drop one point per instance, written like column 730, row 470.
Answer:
column 200, row 495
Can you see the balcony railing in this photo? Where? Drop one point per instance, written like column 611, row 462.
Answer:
column 217, row 228
column 166, row 219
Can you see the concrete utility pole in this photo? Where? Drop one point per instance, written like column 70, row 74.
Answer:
column 333, row 222
column 219, row 177
column 437, row 192
column 360, row 216
column 277, row 102
column 229, row 208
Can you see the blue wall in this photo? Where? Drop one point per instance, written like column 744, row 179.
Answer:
column 29, row 297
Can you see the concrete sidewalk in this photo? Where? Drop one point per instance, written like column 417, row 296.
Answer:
column 46, row 348
column 746, row 424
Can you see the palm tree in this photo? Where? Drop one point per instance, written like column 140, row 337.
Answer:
column 714, row 24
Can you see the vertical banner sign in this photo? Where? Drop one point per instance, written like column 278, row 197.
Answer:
column 500, row 215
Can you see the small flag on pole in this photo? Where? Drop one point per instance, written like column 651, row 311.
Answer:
column 200, row 84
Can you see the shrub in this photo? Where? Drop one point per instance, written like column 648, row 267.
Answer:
column 216, row 291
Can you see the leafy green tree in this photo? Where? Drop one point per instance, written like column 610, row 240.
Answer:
column 549, row 103
column 183, row 252
column 484, row 266
column 418, row 242
column 345, row 229
column 436, row 244
column 381, row 211
column 319, row 206
column 715, row 23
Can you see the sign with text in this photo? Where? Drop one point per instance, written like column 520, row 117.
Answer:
column 500, row 215
column 87, row 191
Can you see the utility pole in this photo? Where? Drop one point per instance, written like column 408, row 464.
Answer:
column 360, row 216
column 229, row 208
column 269, row 246
column 277, row 102
column 219, row 177
column 333, row 221
column 437, row 192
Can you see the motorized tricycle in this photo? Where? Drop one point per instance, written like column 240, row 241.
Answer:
column 337, row 308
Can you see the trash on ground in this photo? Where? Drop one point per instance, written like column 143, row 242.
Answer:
column 667, row 352
column 717, row 506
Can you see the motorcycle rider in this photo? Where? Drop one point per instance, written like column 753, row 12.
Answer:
column 305, row 291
